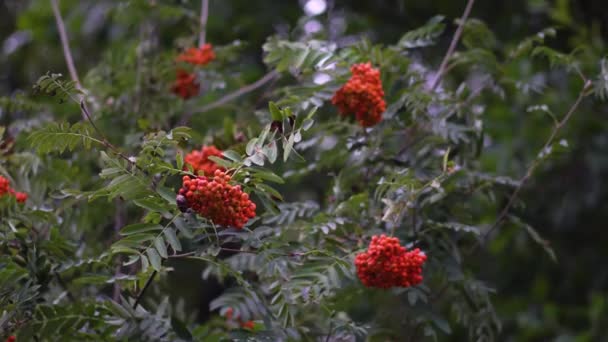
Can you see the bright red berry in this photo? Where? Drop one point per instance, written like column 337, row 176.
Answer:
column 185, row 86
column 5, row 186
column 214, row 198
column 362, row 95
column 248, row 325
column 200, row 159
column 5, row 189
column 11, row 338
column 197, row 56
column 387, row 264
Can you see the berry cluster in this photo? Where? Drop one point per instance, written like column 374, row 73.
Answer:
column 185, row 86
column 362, row 95
column 245, row 325
column 200, row 159
column 197, row 56
column 214, row 198
column 5, row 189
column 387, row 264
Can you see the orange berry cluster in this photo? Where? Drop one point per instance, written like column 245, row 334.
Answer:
column 245, row 325
column 5, row 189
column 362, row 95
column 387, row 264
column 200, row 160
column 185, row 86
column 214, row 198
column 197, row 56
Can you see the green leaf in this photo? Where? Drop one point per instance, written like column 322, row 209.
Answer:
column 269, row 190
column 267, row 175
column 152, row 204
column 271, row 151
column 159, row 243
column 154, row 258
column 232, row 155
column 221, row 162
column 173, row 240
column 179, row 159
column 288, row 147
column 140, row 228
column 250, row 148
column 275, row 112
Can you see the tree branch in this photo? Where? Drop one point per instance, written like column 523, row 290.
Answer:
column 204, row 16
column 65, row 44
column 229, row 97
column 143, row 291
column 530, row 171
column 453, row 44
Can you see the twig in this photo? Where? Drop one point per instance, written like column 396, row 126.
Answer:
column 204, row 16
column 229, row 97
column 331, row 329
column 65, row 44
column 558, row 126
column 143, row 291
column 453, row 44
column 104, row 140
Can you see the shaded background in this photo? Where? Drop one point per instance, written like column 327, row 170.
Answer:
column 537, row 299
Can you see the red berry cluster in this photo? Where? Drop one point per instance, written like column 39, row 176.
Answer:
column 245, row 325
column 387, row 264
column 5, row 189
column 197, row 56
column 214, row 198
column 362, row 95
column 185, row 86
column 200, row 159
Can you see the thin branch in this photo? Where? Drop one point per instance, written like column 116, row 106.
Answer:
column 204, row 16
column 229, row 97
column 143, row 291
column 65, row 44
column 534, row 165
column 453, row 44
column 104, row 140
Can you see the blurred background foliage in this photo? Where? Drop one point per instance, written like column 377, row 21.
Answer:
column 536, row 298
